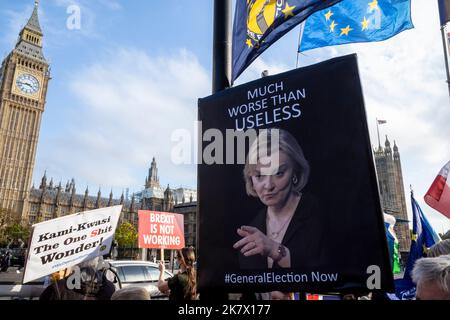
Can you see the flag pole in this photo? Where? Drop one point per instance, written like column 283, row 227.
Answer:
column 221, row 45
column 378, row 132
column 446, row 53
column 221, row 78
column 300, row 36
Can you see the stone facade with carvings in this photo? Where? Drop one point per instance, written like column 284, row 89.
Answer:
column 390, row 179
column 50, row 201
column 24, row 77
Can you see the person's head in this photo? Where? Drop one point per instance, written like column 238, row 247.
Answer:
column 275, row 167
column 93, row 263
column 91, row 276
column 432, row 278
column 131, row 293
column 349, row 296
column 440, row 248
column 90, row 267
column 186, row 259
column 279, row 295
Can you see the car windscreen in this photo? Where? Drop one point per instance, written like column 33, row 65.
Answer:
column 132, row 273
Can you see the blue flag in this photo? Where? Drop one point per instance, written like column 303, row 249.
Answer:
column 423, row 237
column 356, row 21
column 444, row 11
column 259, row 23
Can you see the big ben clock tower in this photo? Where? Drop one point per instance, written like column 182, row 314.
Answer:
column 24, row 76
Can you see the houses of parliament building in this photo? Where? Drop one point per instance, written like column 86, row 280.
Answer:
column 392, row 193
column 50, row 201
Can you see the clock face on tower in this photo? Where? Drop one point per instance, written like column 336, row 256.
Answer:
column 27, row 83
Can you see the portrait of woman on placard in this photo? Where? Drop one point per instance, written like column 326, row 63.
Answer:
column 287, row 232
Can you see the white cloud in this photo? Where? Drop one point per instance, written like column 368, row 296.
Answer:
column 87, row 18
column 56, row 33
column 125, row 110
column 111, row 4
column 15, row 21
column 404, row 83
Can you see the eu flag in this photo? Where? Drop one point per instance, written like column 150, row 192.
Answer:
column 423, row 237
column 259, row 23
column 356, row 21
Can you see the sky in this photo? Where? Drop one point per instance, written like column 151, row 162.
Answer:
column 111, row 105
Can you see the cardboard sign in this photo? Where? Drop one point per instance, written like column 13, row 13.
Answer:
column 161, row 230
column 67, row 241
column 321, row 203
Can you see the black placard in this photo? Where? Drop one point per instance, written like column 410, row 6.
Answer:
column 338, row 236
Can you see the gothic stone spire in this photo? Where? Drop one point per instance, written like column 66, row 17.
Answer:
column 33, row 22
column 153, row 179
column 30, row 39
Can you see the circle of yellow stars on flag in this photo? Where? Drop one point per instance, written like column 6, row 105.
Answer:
column 345, row 31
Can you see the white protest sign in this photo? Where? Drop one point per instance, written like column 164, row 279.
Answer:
column 64, row 242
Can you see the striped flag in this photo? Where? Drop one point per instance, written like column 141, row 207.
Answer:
column 315, row 297
column 448, row 41
column 438, row 196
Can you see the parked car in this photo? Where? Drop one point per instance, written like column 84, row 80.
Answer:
column 130, row 273
column 15, row 290
column 143, row 274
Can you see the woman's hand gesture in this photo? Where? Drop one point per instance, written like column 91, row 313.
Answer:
column 255, row 242
column 161, row 266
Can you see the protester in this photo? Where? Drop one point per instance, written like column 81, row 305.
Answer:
column 279, row 295
column 93, row 285
column 21, row 259
column 131, row 293
column 440, row 248
column 17, row 249
column 5, row 260
column 113, row 252
column 182, row 286
column 432, row 277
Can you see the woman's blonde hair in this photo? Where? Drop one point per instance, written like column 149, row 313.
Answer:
column 264, row 146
